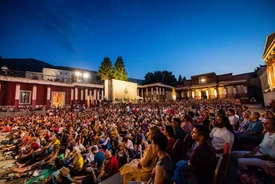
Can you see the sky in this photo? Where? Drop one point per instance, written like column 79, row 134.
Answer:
column 187, row 37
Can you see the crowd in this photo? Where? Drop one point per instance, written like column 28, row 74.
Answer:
column 139, row 141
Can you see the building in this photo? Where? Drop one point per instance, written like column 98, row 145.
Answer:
column 41, row 84
column 51, row 86
column 269, row 59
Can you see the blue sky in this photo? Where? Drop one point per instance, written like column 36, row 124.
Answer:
column 187, row 37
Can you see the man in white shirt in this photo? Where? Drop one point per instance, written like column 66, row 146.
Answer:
column 221, row 135
column 129, row 146
column 264, row 154
column 233, row 119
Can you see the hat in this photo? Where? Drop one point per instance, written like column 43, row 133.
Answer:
column 64, row 172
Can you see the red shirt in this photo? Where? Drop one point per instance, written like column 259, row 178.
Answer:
column 113, row 166
column 170, row 145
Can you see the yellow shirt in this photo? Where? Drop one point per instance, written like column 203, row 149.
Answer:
column 56, row 142
column 78, row 161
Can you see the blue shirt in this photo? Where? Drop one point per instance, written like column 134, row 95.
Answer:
column 256, row 126
column 99, row 158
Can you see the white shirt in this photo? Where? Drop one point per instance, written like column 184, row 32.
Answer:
column 233, row 120
column 268, row 145
column 220, row 136
column 129, row 144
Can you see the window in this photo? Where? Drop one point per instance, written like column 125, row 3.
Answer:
column 25, row 97
column 202, row 80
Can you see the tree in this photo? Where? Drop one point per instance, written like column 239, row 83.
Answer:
column 119, row 71
column 105, row 70
column 180, row 80
column 164, row 77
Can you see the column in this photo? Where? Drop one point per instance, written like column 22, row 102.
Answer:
column 193, row 94
column 188, row 94
column 95, row 97
column 102, row 94
column 157, row 94
column 81, row 96
column 137, row 91
column 207, row 93
column 163, row 93
column 215, row 93
column 200, row 94
column 75, row 96
column 86, row 97
column 90, row 98
column 152, row 94
column 234, row 91
column 147, row 93
column 72, row 96
column 230, row 93
column 17, row 96
column 48, row 96
column 34, row 94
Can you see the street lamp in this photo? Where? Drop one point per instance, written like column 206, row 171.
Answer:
column 86, row 75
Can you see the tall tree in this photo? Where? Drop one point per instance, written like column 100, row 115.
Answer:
column 164, row 77
column 105, row 70
column 119, row 71
column 180, row 80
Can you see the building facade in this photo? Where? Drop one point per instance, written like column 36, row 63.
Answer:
column 35, row 89
column 269, row 59
column 210, row 85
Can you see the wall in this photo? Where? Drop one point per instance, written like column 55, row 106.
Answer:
column 123, row 91
column 268, row 97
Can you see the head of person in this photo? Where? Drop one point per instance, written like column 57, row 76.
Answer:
column 63, row 174
column 169, row 131
column 58, row 163
column 187, row 118
column 175, row 122
column 154, row 130
column 230, row 112
column 246, row 115
column 159, row 143
column 200, row 133
column 108, row 154
column 268, row 114
column 255, row 116
column 220, row 121
column 125, row 139
column 121, row 146
column 269, row 124
column 94, row 150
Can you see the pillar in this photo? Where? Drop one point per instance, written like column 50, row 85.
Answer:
column 95, row 97
column 215, row 93
column 48, row 96
column 102, row 94
column 34, row 94
column 81, row 96
column 75, row 96
column 72, row 96
column 193, row 94
column 207, row 93
column 86, row 97
column 17, row 96
column 152, row 94
column 90, row 99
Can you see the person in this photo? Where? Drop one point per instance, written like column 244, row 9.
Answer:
column 122, row 154
column 109, row 166
column 220, row 134
column 179, row 133
column 203, row 160
column 163, row 172
column 78, row 162
column 233, row 119
column 244, row 124
column 169, row 133
column 98, row 157
column 264, row 154
column 62, row 177
column 140, row 169
column 5, row 69
column 253, row 134
column 187, row 124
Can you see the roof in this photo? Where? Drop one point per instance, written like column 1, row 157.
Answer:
column 28, row 64
column 270, row 40
column 211, row 73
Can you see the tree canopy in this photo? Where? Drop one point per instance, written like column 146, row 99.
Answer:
column 119, row 71
column 164, row 77
column 105, row 70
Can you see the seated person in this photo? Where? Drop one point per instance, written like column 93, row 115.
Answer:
column 264, row 154
column 140, row 169
column 253, row 134
column 109, row 166
column 203, row 159
column 78, row 162
column 98, row 157
column 122, row 155
column 163, row 172
column 221, row 133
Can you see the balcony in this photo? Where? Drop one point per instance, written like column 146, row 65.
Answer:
column 41, row 76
